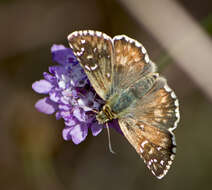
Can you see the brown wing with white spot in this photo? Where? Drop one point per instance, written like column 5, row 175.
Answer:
column 94, row 51
column 157, row 147
column 131, row 62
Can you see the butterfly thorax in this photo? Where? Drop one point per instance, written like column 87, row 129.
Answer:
column 105, row 115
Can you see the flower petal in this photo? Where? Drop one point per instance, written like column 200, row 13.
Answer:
column 42, row 86
column 56, row 48
column 54, row 96
column 52, row 79
column 79, row 133
column 79, row 114
column 61, row 54
column 66, row 133
column 58, row 115
column 96, row 128
column 71, row 122
column 46, row 106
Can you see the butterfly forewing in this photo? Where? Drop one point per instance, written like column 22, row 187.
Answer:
column 131, row 62
column 157, row 147
column 94, row 51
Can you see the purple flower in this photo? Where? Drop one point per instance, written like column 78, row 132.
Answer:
column 70, row 96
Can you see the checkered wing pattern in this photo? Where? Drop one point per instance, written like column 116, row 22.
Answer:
column 156, row 146
column 94, row 51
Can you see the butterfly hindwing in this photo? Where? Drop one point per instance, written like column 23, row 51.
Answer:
column 159, row 107
column 94, row 51
column 157, row 147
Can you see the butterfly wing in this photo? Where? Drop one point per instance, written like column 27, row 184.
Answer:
column 131, row 62
column 155, row 146
column 111, row 65
column 94, row 51
column 148, row 126
column 159, row 107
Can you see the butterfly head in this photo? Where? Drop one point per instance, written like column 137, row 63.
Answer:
column 105, row 115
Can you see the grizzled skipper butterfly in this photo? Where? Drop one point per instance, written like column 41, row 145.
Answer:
column 122, row 74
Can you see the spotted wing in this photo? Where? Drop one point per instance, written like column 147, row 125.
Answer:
column 94, row 51
column 158, row 107
column 157, row 147
column 148, row 126
column 131, row 62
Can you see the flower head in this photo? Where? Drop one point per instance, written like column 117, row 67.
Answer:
column 70, row 96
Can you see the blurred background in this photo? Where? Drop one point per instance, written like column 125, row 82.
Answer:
column 33, row 155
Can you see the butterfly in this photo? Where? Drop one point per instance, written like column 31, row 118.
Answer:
column 122, row 74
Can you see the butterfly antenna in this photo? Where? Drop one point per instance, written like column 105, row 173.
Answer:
column 109, row 140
